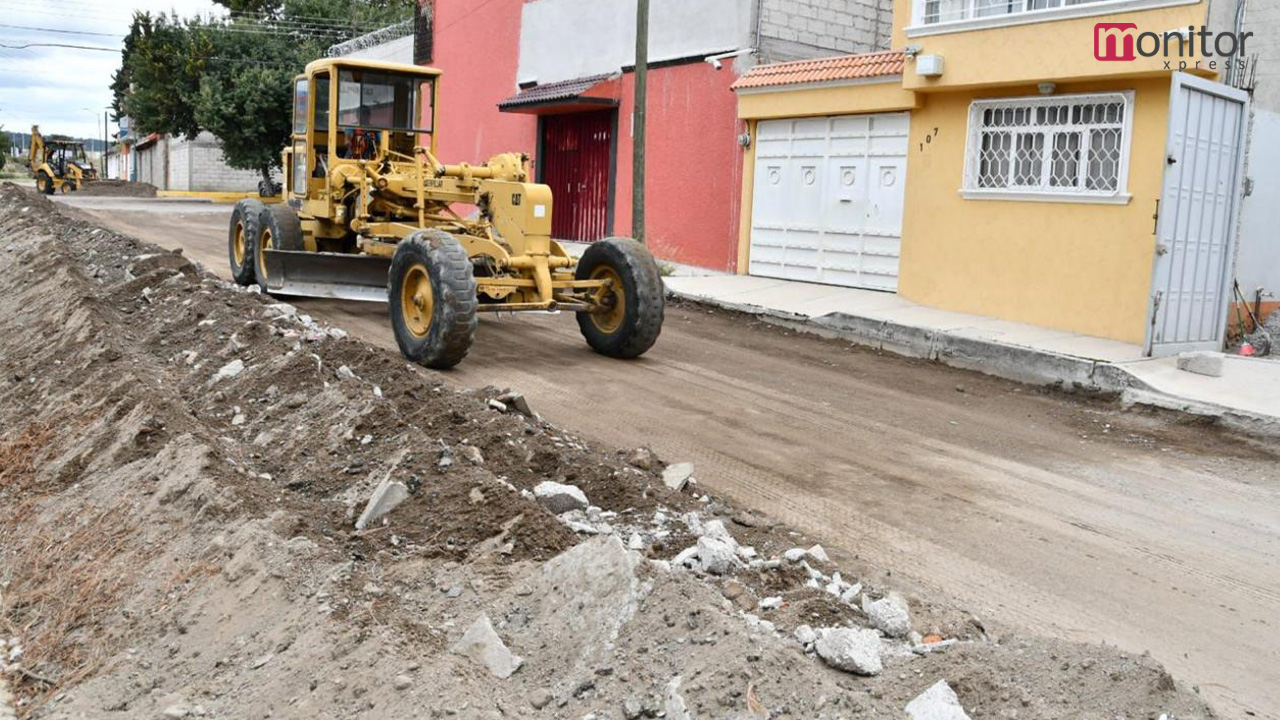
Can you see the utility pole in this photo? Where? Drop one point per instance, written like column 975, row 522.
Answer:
column 637, row 140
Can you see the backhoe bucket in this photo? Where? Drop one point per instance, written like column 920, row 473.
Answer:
column 327, row 275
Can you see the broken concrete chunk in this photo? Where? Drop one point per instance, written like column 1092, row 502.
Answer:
column 817, row 553
column 685, row 556
column 1201, row 363
column 716, row 556
column 482, row 645
column 677, row 476
column 888, row 615
column 559, row 498
column 854, row 650
column 516, row 401
column 794, row 555
column 939, row 702
column 384, row 499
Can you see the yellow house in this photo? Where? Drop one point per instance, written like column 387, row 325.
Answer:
column 1073, row 165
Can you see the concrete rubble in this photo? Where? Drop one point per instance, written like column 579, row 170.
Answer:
column 855, row 650
column 1201, row 363
column 385, row 498
column 482, row 645
column 888, row 615
column 939, row 702
column 559, row 498
column 677, row 476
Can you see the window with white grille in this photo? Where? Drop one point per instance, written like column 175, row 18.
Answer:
column 1050, row 148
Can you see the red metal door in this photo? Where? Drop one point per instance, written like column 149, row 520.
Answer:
column 575, row 164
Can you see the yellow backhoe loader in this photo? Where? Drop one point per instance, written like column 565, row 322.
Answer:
column 371, row 214
column 59, row 164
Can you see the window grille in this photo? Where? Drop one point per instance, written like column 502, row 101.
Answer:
column 1060, row 145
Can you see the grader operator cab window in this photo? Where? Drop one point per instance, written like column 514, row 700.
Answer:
column 372, row 103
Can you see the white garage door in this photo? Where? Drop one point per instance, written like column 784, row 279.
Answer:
column 827, row 202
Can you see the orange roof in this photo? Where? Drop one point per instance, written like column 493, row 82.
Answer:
column 842, row 67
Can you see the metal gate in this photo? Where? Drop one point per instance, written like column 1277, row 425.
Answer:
column 1197, row 216
column 575, row 163
column 828, row 199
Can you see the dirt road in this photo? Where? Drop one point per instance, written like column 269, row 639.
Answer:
column 1061, row 515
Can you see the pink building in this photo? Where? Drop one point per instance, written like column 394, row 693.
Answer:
column 555, row 79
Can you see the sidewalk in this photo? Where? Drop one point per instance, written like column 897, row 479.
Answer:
column 1247, row 395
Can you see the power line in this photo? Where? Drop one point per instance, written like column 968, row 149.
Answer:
column 59, row 45
column 62, row 32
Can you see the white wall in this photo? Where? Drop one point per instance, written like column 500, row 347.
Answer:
column 567, row 39
column 1258, row 262
column 193, row 165
column 399, row 50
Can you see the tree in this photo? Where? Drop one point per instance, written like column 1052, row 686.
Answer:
column 4, row 147
column 233, row 76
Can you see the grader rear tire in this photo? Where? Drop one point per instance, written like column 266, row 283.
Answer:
column 632, row 323
column 432, row 296
column 242, row 240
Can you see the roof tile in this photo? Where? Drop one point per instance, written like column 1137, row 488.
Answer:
column 841, row 67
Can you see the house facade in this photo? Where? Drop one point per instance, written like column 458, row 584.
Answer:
column 555, row 79
column 1030, row 160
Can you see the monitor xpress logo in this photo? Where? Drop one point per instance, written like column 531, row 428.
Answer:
column 1193, row 47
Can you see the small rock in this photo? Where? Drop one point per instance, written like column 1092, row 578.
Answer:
column 632, row 709
column 939, row 702
column 771, row 603
column 675, row 705
column 482, row 645
column 559, row 498
column 230, row 370
column 677, row 476
column 794, row 555
column 854, row 650
column 384, row 499
column 177, row 710
column 642, row 458
column 539, row 699
column 472, row 454
column 817, row 553
column 498, row 405
column 345, row 373
column 805, row 635
column 402, row 682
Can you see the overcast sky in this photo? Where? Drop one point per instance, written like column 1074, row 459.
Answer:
column 65, row 90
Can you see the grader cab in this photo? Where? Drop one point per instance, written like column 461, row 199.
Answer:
column 59, row 164
column 370, row 213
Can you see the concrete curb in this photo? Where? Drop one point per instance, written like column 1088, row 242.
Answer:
column 1010, row 362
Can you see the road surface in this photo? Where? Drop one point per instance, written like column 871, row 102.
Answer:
column 1059, row 514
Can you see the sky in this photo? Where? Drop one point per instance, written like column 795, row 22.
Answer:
column 65, row 90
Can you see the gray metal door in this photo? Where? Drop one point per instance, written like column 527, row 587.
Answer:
column 1198, row 205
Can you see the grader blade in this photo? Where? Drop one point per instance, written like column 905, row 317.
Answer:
column 327, row 275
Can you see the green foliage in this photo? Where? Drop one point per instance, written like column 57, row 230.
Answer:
column 233, row 76
column 4, row 147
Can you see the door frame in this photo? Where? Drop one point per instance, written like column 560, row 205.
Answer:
column 539, row 167
column 1179, row 80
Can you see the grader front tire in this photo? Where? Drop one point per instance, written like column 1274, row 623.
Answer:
column 631, row 323
column 242, row 240
column 432, row 296
column 278, row 229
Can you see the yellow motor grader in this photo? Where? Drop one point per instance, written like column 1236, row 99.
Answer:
column 59, row 164
column 371, row 214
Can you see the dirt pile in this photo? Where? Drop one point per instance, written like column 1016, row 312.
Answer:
column 118, row 188
column 182, row 464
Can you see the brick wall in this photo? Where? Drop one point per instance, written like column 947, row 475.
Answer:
column 194, row 165
column 798, row 29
